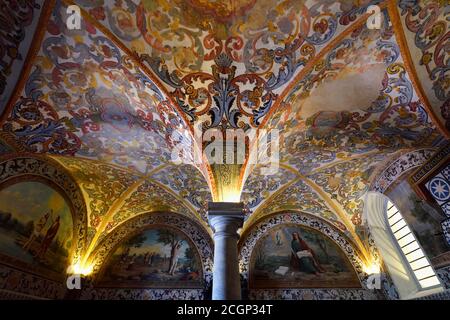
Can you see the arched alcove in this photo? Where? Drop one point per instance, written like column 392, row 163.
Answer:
column 349, row 282
column 295, row 256
column 157, row 257
column 42, row 225
column 135, row 261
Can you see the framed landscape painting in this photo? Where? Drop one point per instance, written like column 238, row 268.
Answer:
column 160, row 257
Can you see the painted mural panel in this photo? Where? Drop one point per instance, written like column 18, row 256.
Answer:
column 160, row 257
column 35, row 228
column 294, row 256
column 424, row 220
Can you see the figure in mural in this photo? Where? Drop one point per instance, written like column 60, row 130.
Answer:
column 294, row 256
column 278, row 239
column 156, row 257
column 303, row 257
column 48, row 238
column 37, row 230
column 174, row 256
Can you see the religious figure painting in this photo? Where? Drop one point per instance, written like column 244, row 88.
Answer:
column 160, row 257
column 299, row 257
column 35, row 228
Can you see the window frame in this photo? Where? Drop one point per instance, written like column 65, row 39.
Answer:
column 406, row 263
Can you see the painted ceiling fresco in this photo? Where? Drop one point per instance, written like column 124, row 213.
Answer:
column 117, row 100
column 18, row 20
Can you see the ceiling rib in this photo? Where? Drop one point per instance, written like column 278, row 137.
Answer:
column 336, row 207
column 133, row 56
column 266, row 202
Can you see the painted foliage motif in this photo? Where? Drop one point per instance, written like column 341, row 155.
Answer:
column 15, row 31
column 35, row 228
column 424, row 220
column 224, row 62
column 298, row 257
column 158, row 258
column 427, row 28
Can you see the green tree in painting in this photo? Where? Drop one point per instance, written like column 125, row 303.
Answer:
column 137, row 241
column 168, row 237
column 260, row 258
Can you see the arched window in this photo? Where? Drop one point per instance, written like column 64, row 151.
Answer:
column 404, row 258
column 410, row 247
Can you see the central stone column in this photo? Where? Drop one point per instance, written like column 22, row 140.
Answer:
column 226, row 218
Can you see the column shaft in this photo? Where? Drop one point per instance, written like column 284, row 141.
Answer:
column 226, row 277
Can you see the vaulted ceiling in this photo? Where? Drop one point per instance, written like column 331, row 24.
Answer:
column 114, row 101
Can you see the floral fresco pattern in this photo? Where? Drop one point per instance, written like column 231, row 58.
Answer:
column 87, row 97
column 99, row 196
column 257, row 189
column 188, row 183
column 107, row 108
column 339, row 152
column 17, row 19
column 427, row 26
column 192, row 45
column 396, row 169
column 300, row 196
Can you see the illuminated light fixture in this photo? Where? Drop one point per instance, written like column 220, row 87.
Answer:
column 78, row 269
column 231, row 195
column 372, row 268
